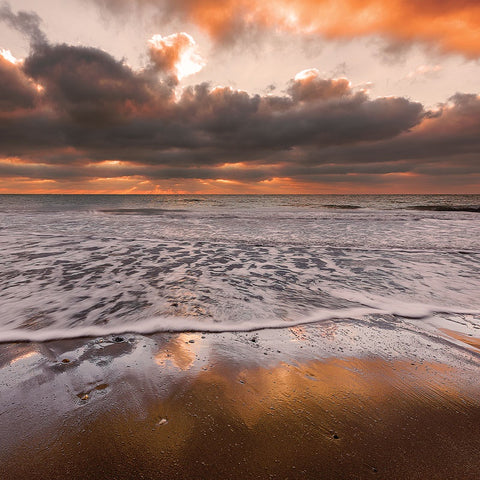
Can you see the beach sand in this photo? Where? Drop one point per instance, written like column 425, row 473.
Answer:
column 319, row 402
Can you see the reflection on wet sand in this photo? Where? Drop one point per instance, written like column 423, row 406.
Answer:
column 23, row 356
column 156, row 409
column 468, row 339
column 179, row 352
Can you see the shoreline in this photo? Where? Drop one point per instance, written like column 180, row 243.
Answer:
column 314, row 402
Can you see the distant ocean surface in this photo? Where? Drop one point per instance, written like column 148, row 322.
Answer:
column 76, row 265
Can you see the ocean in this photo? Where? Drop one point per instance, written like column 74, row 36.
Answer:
column 98, row 265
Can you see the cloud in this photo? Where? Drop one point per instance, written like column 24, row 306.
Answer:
column 74, row 115
column 445, row 141
column 102, row 110
column 176, row 54
column 17, row 90
column 449, row 26
column 308, row 86
column 91, row 86
column 28, row 23
column 423, row 71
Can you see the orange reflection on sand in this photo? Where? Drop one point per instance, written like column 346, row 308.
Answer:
column 472, row 341
column 254, row 393
column 340, row 418
column 298, row 333
column 179, row 352
column 24, row 356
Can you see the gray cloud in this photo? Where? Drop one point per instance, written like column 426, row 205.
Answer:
column 90, row 85
column 17, row 90
column 28, row 23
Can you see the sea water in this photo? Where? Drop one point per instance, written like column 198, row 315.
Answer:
column 93, row 265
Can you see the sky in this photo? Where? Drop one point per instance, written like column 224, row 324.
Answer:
column 240, row 96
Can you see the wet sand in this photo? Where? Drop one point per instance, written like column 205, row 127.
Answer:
column 318, row 402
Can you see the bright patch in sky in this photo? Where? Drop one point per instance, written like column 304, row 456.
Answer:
column 182, row 52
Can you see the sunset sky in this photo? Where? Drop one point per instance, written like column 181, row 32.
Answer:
column 240, row 96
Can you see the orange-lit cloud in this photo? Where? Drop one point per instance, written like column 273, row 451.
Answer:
column 7, row 55
column 447, row 25
column 308, row 85
column 176, row 53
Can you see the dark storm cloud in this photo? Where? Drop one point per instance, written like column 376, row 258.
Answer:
column 98, row 105
column 17, row 90
column 223, row 117
column 452, row 133
column 90, row 85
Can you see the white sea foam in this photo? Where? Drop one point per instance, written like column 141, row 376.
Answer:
column 85, row 266
column 185, row 324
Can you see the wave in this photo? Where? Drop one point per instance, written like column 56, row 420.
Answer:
column 342, row 207
column 446, row 208
column 189, row 324
column 139, row 211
